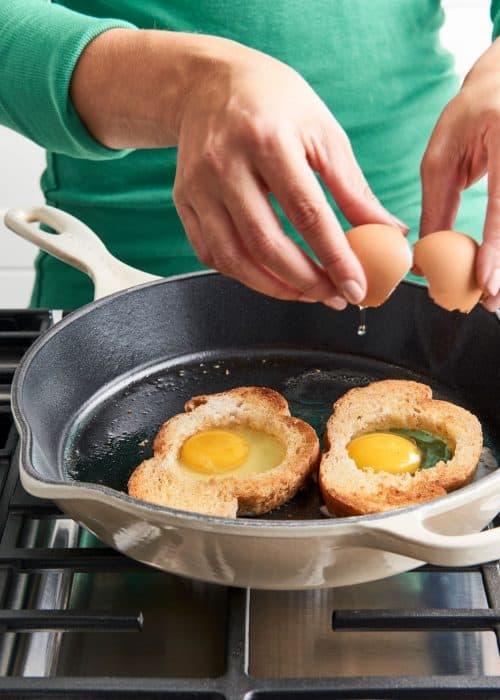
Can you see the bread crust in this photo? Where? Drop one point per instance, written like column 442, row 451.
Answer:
column 161, row 480
column 388, row 404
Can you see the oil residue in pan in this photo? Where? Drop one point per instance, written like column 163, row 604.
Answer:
column 116, row 431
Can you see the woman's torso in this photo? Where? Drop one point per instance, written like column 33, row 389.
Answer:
column 377, row 65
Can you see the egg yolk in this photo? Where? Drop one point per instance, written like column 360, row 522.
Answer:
column 385, row 452
column 214, row 451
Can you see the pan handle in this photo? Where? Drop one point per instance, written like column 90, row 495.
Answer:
column 419, row 537
column 76, row 245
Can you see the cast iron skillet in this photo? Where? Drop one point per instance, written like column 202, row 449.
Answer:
column 91, row 393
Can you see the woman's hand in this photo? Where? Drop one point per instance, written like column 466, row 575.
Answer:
column 465, row 146
column 247, row 126
column 251, row 127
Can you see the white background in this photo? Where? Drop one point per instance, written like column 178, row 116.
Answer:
column 466, row 33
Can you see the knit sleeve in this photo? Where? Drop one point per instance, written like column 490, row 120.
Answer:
column 495, row 17
column 40, row 44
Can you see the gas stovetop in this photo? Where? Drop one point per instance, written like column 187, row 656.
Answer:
column 79, row 620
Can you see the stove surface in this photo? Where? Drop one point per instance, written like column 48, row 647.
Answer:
column 81, row 620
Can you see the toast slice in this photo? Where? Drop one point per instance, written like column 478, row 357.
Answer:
column 164, row 481
column 388, row 404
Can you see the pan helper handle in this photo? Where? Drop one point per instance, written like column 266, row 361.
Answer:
column 425, row 537
column 76, row 245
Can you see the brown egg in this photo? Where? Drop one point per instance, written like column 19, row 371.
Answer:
column 385, row 257
column 447, row 261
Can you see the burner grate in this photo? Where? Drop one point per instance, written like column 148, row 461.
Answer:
column 31, row 620
column 18, row 330
column 21, row 559
column 237, row 685
column 412, row 620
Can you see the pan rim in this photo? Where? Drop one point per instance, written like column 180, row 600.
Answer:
column 66, row 490
column 61, row 491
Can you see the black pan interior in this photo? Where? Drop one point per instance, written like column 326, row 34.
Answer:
column 116, row 432
column 127, row 364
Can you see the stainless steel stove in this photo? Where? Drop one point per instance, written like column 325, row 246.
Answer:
column 78, row 620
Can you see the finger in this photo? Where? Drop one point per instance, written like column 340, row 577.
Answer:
column 441, row 187
column 264, row 239
column 194, row 233
column 334, row 160
column 441, row 190
column 290, row 178
column 488, row 259
column 491, row 303
column 231, row 258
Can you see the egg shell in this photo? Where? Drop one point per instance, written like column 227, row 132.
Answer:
column 385, row 257
column 447, row 259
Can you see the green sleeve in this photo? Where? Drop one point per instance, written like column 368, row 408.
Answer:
column 495, row 17
column 40, row 44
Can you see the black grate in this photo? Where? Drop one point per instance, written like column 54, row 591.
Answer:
column 17, row 331
column 412, row 620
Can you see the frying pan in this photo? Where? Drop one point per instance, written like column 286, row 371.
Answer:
column 90, row 394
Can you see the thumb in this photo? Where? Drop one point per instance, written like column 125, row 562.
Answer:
column 488, row 259
column 440, row 191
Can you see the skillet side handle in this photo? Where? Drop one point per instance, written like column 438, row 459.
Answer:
column 76, row 245
column 413, row 536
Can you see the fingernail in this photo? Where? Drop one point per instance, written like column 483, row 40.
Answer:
column 490, row 304
column 493, row 284
column 336, row 302
column 400, row 224
column 352, row 292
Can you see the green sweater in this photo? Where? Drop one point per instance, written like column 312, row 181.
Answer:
column 377, row 64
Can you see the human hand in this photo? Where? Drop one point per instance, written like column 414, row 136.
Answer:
column 465, row 146
column 246, row 126
column 249, row 127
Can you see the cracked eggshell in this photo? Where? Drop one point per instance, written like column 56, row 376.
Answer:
column 385, row 257
column 447, row 259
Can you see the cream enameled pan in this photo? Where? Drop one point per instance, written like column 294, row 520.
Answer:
column 90, row 394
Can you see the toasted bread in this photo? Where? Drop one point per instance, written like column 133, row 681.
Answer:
column 162, row 480
column 388, row 404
